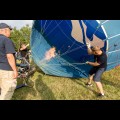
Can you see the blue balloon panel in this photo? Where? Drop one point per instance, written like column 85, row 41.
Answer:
column 69, row 38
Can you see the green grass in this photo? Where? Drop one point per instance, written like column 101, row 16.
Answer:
column 58, row 88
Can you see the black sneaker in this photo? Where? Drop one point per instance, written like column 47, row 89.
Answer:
column 101, row 95
column 88, row 84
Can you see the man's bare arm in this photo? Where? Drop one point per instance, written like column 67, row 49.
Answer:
column 24, row 47
column 93, row 63
column 11, row 60
column 89, row 48
column 89, row 51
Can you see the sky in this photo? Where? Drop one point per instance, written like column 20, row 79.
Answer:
column 17, row 23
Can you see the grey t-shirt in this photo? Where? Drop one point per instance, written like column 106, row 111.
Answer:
column 6, row 47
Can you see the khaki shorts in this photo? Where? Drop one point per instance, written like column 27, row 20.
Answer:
column 7, row 84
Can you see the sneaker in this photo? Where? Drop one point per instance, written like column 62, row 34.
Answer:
column 101, row 95
column 88, row 84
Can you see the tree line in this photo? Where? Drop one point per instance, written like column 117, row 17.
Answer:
column 19, row 36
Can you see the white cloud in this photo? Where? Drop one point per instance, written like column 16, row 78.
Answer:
column 17, row 23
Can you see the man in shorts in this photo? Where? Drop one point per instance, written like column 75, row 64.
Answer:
column 8, row 69
column 99, row 66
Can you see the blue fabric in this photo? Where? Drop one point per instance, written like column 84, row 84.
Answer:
column 71, row 54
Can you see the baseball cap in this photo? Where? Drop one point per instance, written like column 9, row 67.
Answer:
column 95, row 48
column 4, row 25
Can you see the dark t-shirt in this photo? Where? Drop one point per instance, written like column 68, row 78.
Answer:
column 101, row 59
column 24, row 52
column 6, row 47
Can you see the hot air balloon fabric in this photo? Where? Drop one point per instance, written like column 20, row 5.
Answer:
column 59, row 46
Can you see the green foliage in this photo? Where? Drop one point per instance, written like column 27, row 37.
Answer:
column 19, row 36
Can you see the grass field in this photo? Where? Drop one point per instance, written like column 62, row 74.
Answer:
column 47, row 87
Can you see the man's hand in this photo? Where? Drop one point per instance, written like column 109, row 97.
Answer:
column 27, row 45
column 87, row 62
column 15, row 74
column 88, row 44
column 93, row 63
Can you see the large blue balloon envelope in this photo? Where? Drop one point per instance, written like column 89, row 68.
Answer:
column 69, row 38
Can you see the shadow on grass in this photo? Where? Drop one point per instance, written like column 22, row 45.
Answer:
column 44, row 91
column 107, row 82
column 22, row 93
column 83, row 85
